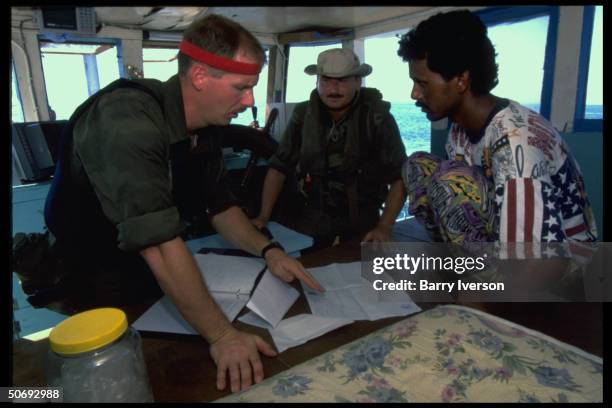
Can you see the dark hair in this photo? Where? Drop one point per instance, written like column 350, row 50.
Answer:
column 452, row 43
column 221, row 36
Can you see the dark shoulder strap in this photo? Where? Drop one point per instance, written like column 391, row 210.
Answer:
column 66, row 137
column 119, row 83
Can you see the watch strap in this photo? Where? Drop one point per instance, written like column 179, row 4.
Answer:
column 271, row 245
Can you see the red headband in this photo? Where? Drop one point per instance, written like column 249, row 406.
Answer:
column 217, row 61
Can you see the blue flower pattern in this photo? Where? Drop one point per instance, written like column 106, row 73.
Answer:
column 364, row 371
column 291, row 386
column 555, row 377
column 369, row 355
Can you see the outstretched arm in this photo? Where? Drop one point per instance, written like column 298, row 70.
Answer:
column 273, row 185
column 233, row 351
column 234, row 225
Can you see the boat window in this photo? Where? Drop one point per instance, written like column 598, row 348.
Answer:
column 520, row 48
column 594, row 95
column 525, row 40
column 589, row 98
column 260, row 93
column 390, row 76
column 88, row 66
column 16, row 107
column 159, row 63
column 299, row 84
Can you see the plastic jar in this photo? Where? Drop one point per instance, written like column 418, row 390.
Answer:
column 96, row 357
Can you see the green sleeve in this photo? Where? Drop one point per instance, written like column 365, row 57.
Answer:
column 123, row 147
column 287, row 155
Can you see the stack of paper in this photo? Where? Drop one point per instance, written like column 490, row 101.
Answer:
column 349, row 295
column 229, row 279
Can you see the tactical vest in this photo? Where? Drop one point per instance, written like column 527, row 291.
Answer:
column 359, row 176
column 73, row 212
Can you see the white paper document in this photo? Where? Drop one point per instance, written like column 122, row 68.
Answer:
column 164, row 317
column 229, row 274
column 272, row 298
column 229, row 279
column 295, row 330
column 349, row 295
column 253, row 319
column 301, row 328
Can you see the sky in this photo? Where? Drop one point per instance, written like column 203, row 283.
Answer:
column 595, row 87
column 520, row 56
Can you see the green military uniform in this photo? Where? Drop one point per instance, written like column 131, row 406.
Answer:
column 128, row 159
column 344, row 167
column 123, row 147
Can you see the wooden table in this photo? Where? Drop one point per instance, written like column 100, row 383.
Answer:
column 179, row 366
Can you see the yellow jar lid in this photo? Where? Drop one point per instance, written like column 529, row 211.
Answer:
column 88, row 331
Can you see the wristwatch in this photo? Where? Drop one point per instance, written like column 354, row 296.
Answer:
column 271, row 245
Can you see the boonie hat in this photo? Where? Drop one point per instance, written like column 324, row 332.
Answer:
column 338, row 63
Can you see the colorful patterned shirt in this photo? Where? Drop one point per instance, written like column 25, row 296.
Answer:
column 539, row 190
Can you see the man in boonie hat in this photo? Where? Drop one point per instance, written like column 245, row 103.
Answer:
column 345, row 149
column 338, row 66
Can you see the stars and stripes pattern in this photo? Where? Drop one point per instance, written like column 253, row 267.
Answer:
column 541, row 206
column 531, row 210
column 578, row 224
column 528, row 212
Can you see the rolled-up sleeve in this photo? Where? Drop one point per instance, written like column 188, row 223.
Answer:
column 124, row 151
column 149, row 229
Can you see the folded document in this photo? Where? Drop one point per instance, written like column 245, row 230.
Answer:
column 272, row 298
column 229, row 279
column 349, row 295
column 297, row 329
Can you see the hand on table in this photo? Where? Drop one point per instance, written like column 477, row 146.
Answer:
column 237, row 352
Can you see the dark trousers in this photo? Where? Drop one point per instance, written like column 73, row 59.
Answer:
column 98, row 277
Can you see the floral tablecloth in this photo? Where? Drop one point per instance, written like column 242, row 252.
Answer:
column 449, row 353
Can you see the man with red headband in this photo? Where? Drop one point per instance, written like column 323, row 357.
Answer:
column 112, row 204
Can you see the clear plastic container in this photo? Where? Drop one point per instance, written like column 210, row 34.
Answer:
column 96, row 357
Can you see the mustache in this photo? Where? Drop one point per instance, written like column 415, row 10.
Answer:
column 335, row 96
column 421, row 105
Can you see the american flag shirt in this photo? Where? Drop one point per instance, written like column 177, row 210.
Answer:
column 539, row 189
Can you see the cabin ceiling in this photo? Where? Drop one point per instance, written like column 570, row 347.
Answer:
column 262, row 20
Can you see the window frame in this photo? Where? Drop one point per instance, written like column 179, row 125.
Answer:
column 66, row 38
column 499, row 15
column 580, row 122
column 72, row 39
column 17, row 92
